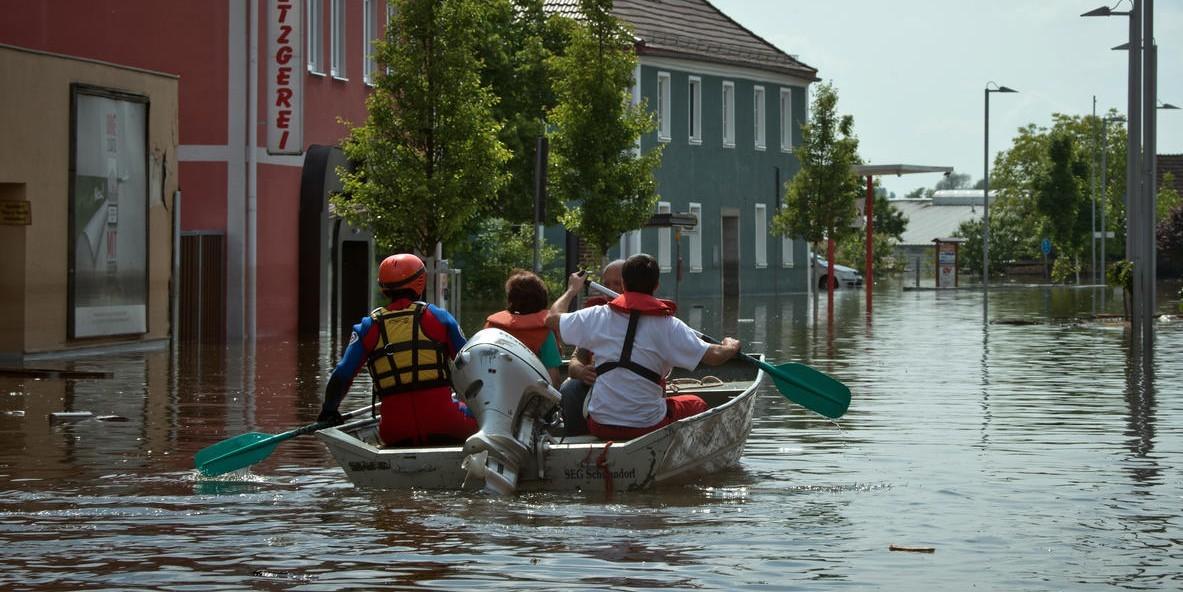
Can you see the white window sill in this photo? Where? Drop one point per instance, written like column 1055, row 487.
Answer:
column 340, row 78
column 788, row 150
column 316, row 72
column 731, row 145
column 695, row 270
column 666, row 269
column 759, row 266
column 696, row 141
column 663, row 139
column 759, row 148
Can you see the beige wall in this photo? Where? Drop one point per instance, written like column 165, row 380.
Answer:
column 34, row 161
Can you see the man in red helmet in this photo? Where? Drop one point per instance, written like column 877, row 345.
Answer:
column 406, row 346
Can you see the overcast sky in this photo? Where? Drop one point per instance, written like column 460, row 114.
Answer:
column 911, row 72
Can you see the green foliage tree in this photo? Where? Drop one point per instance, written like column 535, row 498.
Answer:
column 819, row 202
column 1168, row 198
column 608, row 188
column 519, row 41
column 889, row 226
column 1017, row 173
column 1064, row 205
column 428, row 156
column 494, row 249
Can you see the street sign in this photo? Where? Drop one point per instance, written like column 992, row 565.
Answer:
column 1046, row 246
column 1097, row 234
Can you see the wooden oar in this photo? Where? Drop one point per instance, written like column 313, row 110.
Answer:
column 245, row 450
column 801, row 384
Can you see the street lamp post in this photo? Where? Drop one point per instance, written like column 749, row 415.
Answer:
column 986, row 199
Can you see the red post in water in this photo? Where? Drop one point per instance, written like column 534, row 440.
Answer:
column 830, row 281
column 870, row 212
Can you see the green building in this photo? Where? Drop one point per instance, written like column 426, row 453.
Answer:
column 729, row 107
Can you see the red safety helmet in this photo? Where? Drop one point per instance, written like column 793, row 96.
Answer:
column 403, row 272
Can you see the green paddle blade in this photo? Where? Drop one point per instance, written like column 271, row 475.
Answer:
column 809, row 388
column 236, row 453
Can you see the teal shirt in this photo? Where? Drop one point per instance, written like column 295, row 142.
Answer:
column 549, row 352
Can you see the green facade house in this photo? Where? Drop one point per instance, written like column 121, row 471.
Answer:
column 729, row 107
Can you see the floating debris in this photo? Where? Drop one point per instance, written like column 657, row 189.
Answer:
column 111, row 418
column 69, row 416
column 910, row 549
column 283, row 575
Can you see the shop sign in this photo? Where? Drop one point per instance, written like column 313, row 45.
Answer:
column 285, row 78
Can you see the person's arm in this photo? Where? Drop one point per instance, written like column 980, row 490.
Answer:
column 360, row 344
column 439, row 325
column 551, row 359
column 563, row 304
column 719, row 353
column 581, row 367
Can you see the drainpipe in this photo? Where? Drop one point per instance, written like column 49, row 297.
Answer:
column 252, row 169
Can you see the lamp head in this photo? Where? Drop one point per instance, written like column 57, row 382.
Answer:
column 1167, row 106
column 1102, row 11
column 1007, row 89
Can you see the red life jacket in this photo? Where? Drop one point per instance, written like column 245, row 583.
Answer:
column 595, row 301
column 530, row 329
column 635, row 304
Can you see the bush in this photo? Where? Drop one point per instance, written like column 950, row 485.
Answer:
column 1064, row 270
column 494, row 249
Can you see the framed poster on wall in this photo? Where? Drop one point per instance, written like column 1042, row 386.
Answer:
column 108, row 251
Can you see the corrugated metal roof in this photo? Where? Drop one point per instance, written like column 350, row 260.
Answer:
column 927, row 220
column 695, row 29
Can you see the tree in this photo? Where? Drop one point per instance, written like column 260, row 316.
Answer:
column 889, row 227
column 428, row 158
column 1059, row 198
column 953, row 181
column 608, row 188
column 819, row 202
column 519, row 41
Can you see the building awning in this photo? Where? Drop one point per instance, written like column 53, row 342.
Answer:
column 863, row 170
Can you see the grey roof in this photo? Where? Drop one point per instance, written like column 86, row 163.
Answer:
column 940, row 216
column 695, row 29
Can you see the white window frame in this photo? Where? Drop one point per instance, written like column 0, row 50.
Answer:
column 786, row 253
column 758, row 108
column 337, row 43
column 786, row 120
column 760, row 222
column 663, row 107
column 728, row 114
column 695, row 235
column 694, row 112
column 664, row 240
column 315, row 32
column 369, row 19
column 630, row 244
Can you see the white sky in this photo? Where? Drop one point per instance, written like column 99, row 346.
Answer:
column 911, row 72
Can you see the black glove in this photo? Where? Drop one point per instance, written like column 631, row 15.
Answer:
column 330, row 416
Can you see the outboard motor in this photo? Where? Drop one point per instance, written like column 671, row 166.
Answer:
column 508, row 391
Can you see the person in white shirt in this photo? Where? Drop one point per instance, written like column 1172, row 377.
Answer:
column 636, row 340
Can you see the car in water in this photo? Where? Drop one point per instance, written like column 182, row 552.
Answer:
column 844, row 277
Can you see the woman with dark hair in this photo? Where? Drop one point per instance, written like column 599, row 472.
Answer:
column 524, row 317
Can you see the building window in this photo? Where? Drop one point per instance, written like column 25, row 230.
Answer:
column 728, row 114
column 369, row 36
column 761, row 233
column 315, row 36
column 786, row 120
column 630, row 244
column 663, row 239
column 663, row 106
column 758, row 115
column 786, row 252
column 695, row 111
column 695, row 235
column 337, row 39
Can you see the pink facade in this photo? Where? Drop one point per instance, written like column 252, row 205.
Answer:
column 207, row 45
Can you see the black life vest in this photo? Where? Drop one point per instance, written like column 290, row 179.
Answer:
column 635, row 304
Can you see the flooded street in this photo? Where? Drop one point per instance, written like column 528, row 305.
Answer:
column 1028, row 456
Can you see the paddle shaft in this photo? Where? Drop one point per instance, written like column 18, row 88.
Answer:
column 270, row 442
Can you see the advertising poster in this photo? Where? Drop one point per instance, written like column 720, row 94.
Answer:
column 946, row 265
column 109, row 259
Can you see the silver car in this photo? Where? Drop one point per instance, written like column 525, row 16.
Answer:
column 844, row 276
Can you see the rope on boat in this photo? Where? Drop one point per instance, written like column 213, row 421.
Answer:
column 678, row 384
column 602, row 465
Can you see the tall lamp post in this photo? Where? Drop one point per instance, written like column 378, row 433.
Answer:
column 986, row 200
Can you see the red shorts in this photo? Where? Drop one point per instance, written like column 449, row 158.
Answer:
column 427, row 417
column 676, row 407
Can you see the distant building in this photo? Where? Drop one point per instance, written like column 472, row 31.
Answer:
column 1173, row 164
column 937, row 217
column 729, row 108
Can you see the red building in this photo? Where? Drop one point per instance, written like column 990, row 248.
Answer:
column 247, row 122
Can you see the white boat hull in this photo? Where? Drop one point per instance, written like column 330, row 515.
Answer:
column 693, row 446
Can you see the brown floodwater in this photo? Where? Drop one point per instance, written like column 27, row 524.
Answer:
column 1028, row 456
